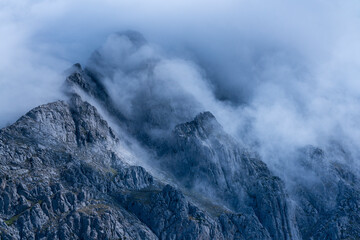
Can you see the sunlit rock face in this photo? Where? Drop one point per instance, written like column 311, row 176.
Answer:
column 131, row 155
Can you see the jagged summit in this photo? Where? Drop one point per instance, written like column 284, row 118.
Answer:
column 75, row 68
column 204, row 124
column 204, row 116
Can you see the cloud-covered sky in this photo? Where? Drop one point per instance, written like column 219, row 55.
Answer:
column 290, row 68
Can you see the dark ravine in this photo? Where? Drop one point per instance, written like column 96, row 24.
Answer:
column 63, row 176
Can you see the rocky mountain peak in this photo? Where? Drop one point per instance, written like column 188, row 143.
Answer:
column 204, row 116
column 203, row 125
column 135, row 37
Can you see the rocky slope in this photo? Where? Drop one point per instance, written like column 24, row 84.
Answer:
column 207, row 160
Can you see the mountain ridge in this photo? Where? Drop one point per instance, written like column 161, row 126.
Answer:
column 66, row 173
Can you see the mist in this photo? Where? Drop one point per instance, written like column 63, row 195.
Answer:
column 277, row 76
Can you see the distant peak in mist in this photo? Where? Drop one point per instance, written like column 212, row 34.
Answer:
column 136, row 38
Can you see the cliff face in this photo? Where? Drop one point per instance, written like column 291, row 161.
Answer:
column 207, row 160
column 328, row 200
column 66, row 174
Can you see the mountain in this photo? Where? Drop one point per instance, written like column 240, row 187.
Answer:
column 152, row 167
column 61, row 179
